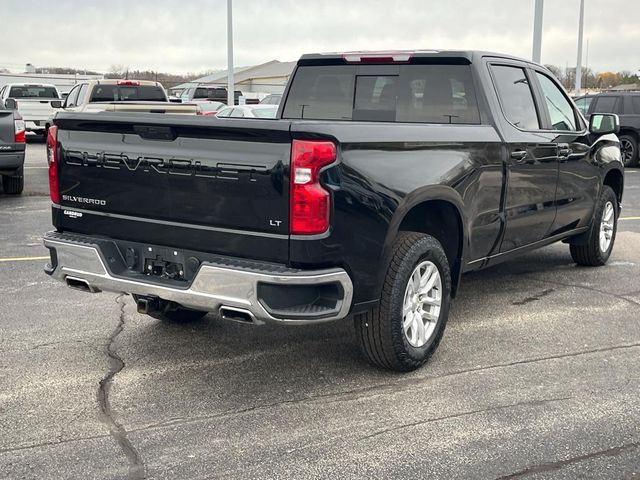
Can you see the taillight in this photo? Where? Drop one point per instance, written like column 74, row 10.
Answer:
column 52, row 159
column 310, row 202
column 20, row 129
column 131, row 83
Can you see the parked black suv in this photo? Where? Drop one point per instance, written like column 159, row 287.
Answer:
column 627, row 106
column 385, row 177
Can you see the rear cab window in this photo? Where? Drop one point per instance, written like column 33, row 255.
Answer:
column 33, row 91
column 408, row 93
column 115, row 93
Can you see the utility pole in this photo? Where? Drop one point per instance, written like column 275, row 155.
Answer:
column 537, row 31
column 230, row 82
column 586, row 67
column 579, row 63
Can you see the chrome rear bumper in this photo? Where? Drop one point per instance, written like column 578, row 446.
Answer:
column 79, row 261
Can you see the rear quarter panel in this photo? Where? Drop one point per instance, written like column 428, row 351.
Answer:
column 386, row 169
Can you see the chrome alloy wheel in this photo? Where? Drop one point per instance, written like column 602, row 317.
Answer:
column 606, row 226
column 421, row 306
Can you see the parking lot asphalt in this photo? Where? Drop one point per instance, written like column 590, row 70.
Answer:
column 536, row 377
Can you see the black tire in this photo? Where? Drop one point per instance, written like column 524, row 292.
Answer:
column 174, row 313
column 589, row 253
column 14, row 184
column 629, row 150
column 380, row 330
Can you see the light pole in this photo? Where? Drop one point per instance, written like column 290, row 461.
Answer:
column 579, row 63
column 230, row 83
column 537, row 31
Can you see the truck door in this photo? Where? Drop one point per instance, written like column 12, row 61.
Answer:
column 578, row 180
column 531, row 161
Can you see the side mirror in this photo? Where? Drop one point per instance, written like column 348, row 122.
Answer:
column 604, row 123
column 10, row 104
column 56, row 104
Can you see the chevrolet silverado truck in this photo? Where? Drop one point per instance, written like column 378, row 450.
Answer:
column 12, row 147
column 384, row 177
column 35, row 103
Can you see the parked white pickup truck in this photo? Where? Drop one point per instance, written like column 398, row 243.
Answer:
column 35, row 103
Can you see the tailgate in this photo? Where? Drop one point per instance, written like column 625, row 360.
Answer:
column 32, row 109
column 7, row 129
column 200, row 183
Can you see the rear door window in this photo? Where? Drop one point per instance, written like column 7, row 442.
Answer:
column 605, row 104
column 635, row 103
column 404, row 93
column 516, row 97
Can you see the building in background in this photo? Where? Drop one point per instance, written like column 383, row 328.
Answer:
column 254, row 82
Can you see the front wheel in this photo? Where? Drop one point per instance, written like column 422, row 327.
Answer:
column 407, row 326
column 629, row 150
column 596, row 250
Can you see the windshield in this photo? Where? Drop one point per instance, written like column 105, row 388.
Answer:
column 265, row 112
column 114, row 93
column 33, row 91
column 211, row 106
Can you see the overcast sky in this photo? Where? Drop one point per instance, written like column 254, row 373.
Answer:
column 181, row 36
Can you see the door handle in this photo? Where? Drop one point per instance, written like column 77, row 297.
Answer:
column 564, row 151
column 519, row 155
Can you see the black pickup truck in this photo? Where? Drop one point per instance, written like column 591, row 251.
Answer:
column 384, row 178
column 12, row 148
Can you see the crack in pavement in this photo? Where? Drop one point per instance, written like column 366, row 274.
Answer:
column 551, row 466
column 535, row 297
column 462, row 414
column 117, row 431
column 353, row 394
column 589, row 288
column 366, row 392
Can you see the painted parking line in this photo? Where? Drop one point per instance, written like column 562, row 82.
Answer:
column 629, row 218
column 22, row 259
column 36, row 168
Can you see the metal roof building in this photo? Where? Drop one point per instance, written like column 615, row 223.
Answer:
column 269, row 77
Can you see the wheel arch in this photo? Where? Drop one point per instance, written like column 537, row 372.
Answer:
column 614, row 178
column 437, row 211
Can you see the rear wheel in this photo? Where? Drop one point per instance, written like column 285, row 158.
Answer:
column 596, row 250
column 629, row 150
column 405, row 329
column 14, row 184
